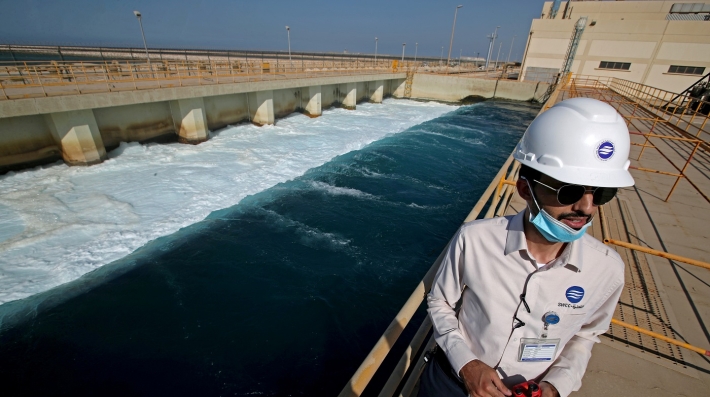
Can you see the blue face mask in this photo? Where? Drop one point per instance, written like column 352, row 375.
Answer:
column 553, row 230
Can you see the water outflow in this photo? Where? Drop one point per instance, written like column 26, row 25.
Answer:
column 282, row 294
column 58, row 223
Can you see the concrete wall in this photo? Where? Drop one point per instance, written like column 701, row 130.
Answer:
column 38, row 131
column 70, row 128
column 224, row 110
column 453, row 88
column 26, row 140
column 130, row 123
column 635, row 32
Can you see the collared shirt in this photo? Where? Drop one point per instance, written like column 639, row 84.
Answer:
column 488, row 267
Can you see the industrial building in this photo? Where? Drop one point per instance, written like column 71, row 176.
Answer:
column 664, row 44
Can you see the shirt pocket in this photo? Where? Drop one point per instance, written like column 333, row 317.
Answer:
column 571, row 320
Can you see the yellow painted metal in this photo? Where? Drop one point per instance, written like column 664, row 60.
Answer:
column 661, row 337
column 607, row 240
column 655, row 171
column 662, row 254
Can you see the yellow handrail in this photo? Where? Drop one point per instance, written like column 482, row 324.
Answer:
column 661, row 337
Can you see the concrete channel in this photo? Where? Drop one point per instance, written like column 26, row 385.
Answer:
column 81, row 128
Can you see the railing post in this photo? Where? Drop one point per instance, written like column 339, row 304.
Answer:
column 682, row 172
column 76, row 83
column 39, row 78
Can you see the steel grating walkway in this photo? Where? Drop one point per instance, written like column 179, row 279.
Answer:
column 640, row 303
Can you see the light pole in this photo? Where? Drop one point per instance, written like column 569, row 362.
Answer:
column 495, row 67
column 416, row 46
column 451, row 42
column 403, row 45
column 490, row 46
column 510, row 50
column 138, row 15
column 375, row 51
column 288, row 34
column 441, row 57
column 460, row 51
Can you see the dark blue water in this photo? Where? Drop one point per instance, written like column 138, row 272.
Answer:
column 283, row 294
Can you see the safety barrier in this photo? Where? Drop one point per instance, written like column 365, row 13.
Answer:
column 648, row 101
column 40, row 79
column 32, row 79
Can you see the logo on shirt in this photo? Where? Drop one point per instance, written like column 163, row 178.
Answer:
column 605, row 150
column 574, row 294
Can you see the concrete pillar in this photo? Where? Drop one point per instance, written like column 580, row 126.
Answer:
column 350, row 96
column 78, row 137
column 313, row 108
column 264, row 106
column 399, row 90
column 378, row 93
column 190, row 119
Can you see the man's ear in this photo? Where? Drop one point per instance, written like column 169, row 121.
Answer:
column 523, row 189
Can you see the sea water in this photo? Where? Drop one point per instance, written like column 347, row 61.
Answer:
column 285, row 250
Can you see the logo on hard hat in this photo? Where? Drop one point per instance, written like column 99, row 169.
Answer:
column 605, row 150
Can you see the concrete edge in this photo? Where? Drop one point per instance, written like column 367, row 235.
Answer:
column 63, row 103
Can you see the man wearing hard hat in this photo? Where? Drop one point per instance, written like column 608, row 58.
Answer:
column 534, row 290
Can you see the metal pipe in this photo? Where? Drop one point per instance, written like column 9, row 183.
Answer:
column 662, row 254
column 661, row 337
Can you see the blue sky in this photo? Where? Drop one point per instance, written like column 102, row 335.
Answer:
column 232, row 24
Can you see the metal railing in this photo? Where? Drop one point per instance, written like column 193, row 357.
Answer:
column 41, row 79
column 35, row 79
column 682, row 110
column 648, row 115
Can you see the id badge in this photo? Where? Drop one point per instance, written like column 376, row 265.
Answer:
column 533, row 350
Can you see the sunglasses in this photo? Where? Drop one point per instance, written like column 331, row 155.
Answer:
column 570, row 194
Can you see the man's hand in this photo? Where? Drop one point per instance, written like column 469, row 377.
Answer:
column 548, row 390
column 482, row 380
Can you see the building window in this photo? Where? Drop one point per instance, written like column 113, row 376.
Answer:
column 686, row 69
column 614, row 65
column 690, row 8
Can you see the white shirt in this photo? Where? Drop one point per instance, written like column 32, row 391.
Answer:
column 486, row 268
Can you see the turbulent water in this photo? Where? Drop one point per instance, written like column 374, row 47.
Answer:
column 59, row 223
column 282, row 291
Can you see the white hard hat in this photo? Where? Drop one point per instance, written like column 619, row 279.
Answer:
column 580, row 140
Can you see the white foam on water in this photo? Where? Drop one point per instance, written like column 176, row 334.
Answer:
column 341, row 191
column 58, row 222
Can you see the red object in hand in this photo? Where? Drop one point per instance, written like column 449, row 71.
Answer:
column 527, row 389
